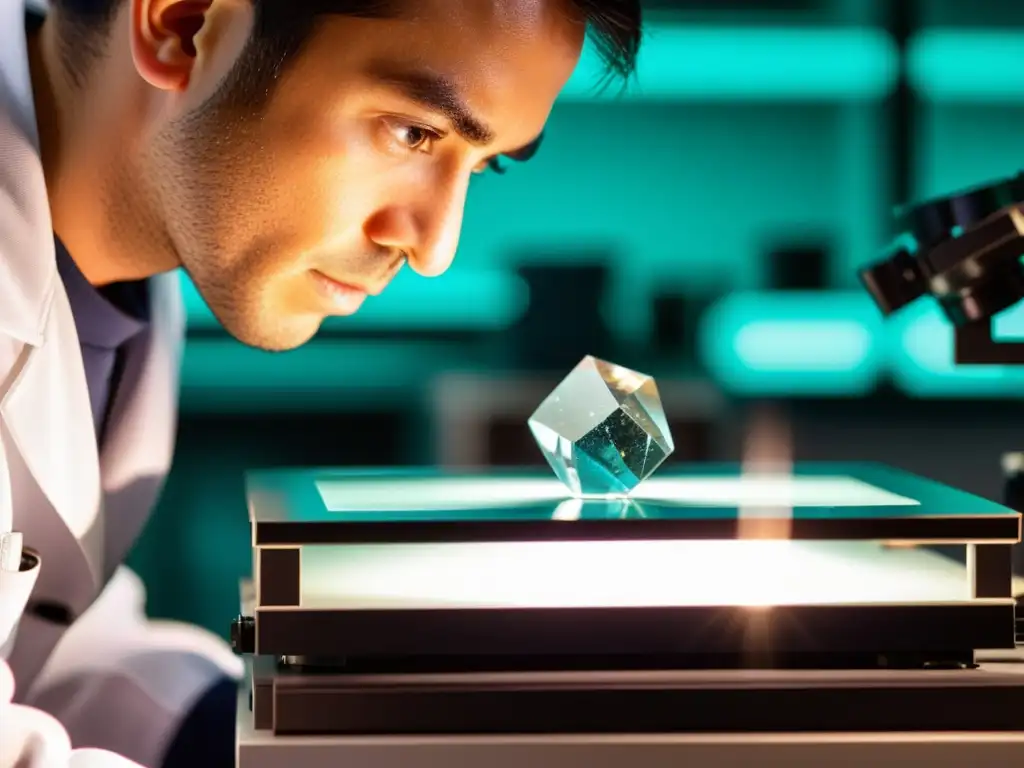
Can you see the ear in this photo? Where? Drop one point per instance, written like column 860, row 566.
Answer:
column 163, row 36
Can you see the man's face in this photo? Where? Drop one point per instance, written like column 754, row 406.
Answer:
column 359, row 162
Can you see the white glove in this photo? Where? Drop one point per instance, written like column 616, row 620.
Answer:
column 30, row 738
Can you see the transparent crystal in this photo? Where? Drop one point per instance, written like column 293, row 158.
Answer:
column 602, row 429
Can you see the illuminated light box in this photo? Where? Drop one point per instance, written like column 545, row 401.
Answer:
column 582, row 574
column 410, row 563
column 967, row 66
column 793, row 343
column 920, row 350
column 750, row 63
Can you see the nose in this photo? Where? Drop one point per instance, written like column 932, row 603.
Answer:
column 425, row 227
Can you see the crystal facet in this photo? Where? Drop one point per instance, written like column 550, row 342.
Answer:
column 602, row 429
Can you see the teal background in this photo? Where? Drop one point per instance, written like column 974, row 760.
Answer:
column 764, row 124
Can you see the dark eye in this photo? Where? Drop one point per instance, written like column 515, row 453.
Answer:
column 521, row 155
column 414, row 137
column 494, row 165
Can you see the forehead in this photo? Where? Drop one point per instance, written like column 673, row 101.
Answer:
column 508, row 58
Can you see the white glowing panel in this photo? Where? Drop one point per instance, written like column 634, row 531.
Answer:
column 622, row 574
column 358, row 495
column 770, row 491
column 352, row 495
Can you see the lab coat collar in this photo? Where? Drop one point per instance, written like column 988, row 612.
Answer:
column 27, row 257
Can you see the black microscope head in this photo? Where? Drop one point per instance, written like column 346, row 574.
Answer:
column 966, row 250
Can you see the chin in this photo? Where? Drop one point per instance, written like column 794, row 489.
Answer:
column 279, row 336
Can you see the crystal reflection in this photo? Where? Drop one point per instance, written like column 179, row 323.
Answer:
column 608, row 508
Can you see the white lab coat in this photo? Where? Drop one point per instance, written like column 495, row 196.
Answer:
column 113, row 679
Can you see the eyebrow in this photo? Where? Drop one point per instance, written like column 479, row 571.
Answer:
column 438, row 94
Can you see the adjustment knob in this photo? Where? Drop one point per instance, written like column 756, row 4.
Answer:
column 894, row 282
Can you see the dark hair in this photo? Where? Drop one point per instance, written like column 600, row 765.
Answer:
column 283, row 26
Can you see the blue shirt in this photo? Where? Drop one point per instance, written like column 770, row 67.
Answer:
column 107, row 320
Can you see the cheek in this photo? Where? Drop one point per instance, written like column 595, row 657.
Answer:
column 290, row 208
column 271, row 205
column 317, row 192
